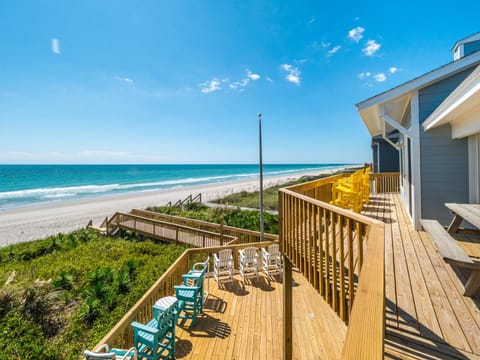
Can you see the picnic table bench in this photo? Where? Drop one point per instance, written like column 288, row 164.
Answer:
column 453, row 254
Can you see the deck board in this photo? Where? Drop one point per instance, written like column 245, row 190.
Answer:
column 249, row 323
column 434, row 320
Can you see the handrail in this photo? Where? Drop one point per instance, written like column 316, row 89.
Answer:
column 385, row 182
column 244, row 235
column 188, row 200
column 121, row 334
column 164, row 230
column 340, row 253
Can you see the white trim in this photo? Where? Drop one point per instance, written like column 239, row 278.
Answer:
column 454, row 101
column 421, row 81
column 394, row 123
column 416, row 163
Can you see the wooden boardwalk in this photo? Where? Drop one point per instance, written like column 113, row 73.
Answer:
column 426, row 315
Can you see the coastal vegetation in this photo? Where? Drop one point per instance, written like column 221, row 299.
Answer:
column 246, row 199
column 245, row 219
column 62, row 294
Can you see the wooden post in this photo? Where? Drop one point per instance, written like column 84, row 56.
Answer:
column 287, row 285
column 287, row 309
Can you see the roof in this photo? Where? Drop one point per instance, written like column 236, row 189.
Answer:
column 460, row 108
column 469, row 38
column 398, row 97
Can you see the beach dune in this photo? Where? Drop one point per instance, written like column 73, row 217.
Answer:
column 37, row 222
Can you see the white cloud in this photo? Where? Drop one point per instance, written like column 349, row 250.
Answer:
column 210, row 86
column 325, row 44
column 380, row 77
column 56, row 46
column 371, row 48
column 252, row 75
column 364, row 75
column 269, row 79
column 293, row 74
column 123, row 79
column 312, row 20
column 392, row 70
column 333, row 50
column 356, row 34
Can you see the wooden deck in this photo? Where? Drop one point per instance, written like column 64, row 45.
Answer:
column 245, row 322
column 426, row 315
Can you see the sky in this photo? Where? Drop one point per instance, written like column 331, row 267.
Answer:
column 183, row 81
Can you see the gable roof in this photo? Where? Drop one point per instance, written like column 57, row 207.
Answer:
column 398, row 96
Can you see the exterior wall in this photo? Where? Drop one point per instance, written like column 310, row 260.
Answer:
column 471, row 47
column 389, row 157
column 443, row 161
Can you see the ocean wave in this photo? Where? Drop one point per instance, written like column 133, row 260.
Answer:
column 58, row 192
column 51, row 193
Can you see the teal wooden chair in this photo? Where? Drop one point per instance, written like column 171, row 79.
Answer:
column 190, row 294
column 157, row 337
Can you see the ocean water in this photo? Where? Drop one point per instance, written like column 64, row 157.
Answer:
column 26, row 185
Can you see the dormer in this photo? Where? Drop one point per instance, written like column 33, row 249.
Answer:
column 466, row 46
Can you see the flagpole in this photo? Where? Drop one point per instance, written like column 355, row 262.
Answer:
column 261, row 176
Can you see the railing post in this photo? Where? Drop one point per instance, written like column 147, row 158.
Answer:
column 287, row 309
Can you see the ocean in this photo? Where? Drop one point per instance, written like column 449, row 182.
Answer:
column 26, row 185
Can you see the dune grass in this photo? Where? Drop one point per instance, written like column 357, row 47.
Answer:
column 246, row 199
column 61, row 295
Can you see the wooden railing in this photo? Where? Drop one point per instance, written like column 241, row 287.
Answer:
column 320, row 189
column 167, row 231
column 341, row 254
column 188, row 200
column 242, row 235
column 121, row 334
column 385, row 182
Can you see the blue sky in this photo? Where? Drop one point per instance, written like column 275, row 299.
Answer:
column 183, row 81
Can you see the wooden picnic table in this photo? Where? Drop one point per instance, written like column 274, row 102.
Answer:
column 467, row 212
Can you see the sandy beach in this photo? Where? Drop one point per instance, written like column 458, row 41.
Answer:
column 37, row 222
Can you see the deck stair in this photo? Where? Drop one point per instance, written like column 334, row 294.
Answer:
column 188, row 200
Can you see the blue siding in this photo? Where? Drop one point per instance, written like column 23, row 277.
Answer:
column 388, row 158
column 444, row 162
column 471, row 47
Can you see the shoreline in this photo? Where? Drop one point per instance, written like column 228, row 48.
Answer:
column 40, row 221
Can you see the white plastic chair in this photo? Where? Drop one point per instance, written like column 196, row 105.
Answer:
column 248, row 263
column 104, row 352
column 223, row 266
column 272, row 260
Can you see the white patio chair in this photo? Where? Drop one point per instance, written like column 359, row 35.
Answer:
column 104, row 352
column 272, row 260
column 223, row 266
column 248, row 263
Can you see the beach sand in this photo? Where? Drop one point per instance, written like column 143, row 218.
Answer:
column 37, row 222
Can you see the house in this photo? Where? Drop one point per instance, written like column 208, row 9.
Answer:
column 437, row 116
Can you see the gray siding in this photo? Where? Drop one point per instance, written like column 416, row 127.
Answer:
column 471, row 47
column 444, row 162
column 388, row 158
